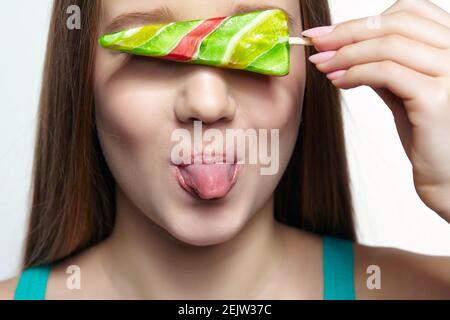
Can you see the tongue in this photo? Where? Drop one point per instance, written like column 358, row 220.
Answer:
column 209, row 181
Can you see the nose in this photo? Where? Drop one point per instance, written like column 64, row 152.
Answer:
column 205, row 97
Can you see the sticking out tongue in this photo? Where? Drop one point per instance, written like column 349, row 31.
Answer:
column 209, row 181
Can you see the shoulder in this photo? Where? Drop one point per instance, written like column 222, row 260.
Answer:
column 80, row 277
column 389, row 273
column 73, row 278
column 8, row 288
column 60, row 272
column 381, row 272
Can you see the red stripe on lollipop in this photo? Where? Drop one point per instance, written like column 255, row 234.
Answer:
column 188, row 46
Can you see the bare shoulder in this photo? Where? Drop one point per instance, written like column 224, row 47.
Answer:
column 60, row 284
column 389, row 273
column 379, row 272
column 79, row 277
column 7, row 288
column 56, row 279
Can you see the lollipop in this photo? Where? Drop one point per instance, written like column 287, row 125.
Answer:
column 256, row 41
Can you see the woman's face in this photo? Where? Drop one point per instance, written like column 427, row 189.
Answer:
column 141, row 102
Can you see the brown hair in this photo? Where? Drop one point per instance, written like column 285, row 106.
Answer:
column 73, row 191
column 314, row 193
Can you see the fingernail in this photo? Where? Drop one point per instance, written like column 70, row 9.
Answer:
column 336, row 74
column 322, row 57
column 318, row 31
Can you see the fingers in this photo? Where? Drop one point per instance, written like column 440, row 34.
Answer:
column 425, row 9
column 401, row 119
column 406, row 52
column 402, row 23
column 409, row 53
column 400, row 80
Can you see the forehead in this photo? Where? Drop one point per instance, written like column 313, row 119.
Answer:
column 118, row 14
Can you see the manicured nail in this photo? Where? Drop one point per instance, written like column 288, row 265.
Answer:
column 336, row 74
column 322, row 57
column 318, row 31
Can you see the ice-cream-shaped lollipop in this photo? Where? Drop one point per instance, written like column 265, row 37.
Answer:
column 255, row 41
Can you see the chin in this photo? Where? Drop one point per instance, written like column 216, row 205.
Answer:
column 203, row 227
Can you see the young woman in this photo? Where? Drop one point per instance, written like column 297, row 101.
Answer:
column 107, row 199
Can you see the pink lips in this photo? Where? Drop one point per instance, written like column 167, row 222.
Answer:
column 207, row 180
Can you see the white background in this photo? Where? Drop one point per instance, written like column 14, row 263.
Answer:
column 389, row 213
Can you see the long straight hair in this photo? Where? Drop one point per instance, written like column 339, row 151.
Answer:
column 73, row 191
column 314, row 193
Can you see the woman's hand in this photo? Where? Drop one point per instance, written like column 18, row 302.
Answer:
column 404, row 55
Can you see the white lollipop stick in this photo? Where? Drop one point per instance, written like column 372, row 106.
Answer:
column 297, row 41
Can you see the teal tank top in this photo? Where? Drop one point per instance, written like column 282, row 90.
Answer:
column 32, row 284
column 338, row 277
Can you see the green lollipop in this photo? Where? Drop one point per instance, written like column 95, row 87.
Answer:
column 256, row 41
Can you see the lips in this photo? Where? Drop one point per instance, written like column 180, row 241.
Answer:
column 207, row 180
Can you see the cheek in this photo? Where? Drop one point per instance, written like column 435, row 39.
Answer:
column 132, row 118
column 289, row 91
column 131, row 122
column 129, row 111
column 126, row 113
column 129, row 107
column 282, row 106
